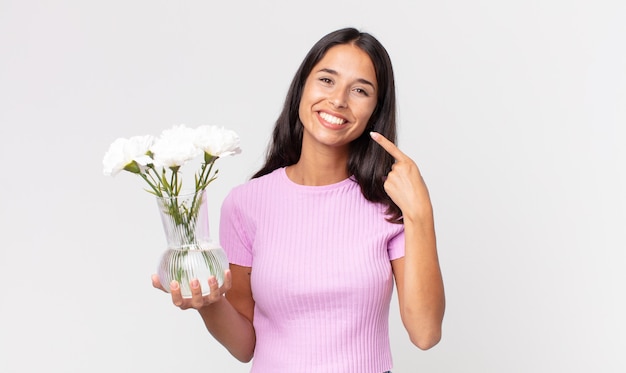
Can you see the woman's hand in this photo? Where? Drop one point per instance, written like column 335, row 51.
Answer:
column 404, row 183
column 197, row 301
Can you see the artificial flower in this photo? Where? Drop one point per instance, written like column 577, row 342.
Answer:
column 175, row 147
column 158, row 161
column 217, row 141
column 127, row 154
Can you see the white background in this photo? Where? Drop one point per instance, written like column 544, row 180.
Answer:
column 514, row 110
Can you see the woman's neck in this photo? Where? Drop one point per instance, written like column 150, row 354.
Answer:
column 319, row 168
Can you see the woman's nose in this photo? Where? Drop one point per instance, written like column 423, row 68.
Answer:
column 338, row 99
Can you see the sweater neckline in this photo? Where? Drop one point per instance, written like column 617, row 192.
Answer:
column 314, row 188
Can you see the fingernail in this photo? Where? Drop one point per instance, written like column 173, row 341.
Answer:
column 374, row 135
column 173, row 285
column 194, row 283
column 212, row 281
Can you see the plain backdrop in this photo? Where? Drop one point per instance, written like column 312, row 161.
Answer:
column 514, row 111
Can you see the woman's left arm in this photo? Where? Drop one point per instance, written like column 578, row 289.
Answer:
column 418, row 275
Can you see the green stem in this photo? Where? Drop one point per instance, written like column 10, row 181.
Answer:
column 156, row 190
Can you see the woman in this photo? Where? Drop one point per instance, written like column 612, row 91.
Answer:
column 318, row 235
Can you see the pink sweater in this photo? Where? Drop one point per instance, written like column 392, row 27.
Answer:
column 321, row 274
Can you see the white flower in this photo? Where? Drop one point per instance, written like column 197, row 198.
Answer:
column 124, row 152
column 217, row 141
column 158, row 161
column 175, row 147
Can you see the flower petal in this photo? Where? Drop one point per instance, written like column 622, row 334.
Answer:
column 122, row 152
column 175, row 146
column 217, row 141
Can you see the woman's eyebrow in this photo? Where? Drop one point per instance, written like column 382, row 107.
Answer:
column 334, row 72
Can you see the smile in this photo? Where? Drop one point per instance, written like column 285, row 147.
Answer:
column 332, row 119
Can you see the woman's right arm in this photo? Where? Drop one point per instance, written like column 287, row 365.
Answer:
column 227, row 311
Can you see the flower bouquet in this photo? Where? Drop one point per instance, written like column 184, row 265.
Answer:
column 191, row 254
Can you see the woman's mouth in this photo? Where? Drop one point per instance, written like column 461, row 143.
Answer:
column 332, row 119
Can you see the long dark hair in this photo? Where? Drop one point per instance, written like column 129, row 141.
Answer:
column 368, row 162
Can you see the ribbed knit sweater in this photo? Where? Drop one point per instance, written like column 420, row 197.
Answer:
column 321, row 275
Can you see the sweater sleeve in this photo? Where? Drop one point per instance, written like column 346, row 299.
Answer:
column 233, row 235
column 395, row 246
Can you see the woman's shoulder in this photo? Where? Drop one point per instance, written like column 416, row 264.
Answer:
column 261, row 184
column 273, row 177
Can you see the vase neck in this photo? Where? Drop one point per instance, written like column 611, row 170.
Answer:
column 185, row 219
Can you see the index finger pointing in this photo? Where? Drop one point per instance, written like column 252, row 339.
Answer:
column 389, row 146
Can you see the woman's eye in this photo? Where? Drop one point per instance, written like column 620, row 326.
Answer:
column 326, row 80
column 361, row 91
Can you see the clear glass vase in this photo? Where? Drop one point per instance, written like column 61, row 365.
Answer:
column 190, row 254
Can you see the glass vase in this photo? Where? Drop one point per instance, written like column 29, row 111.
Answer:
column 190, row 253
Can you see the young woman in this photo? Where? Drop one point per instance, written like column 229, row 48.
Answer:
column 316, row 238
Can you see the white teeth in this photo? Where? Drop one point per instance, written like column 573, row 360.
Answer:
column 331, row 118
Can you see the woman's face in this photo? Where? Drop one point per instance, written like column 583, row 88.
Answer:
column 338, row 97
